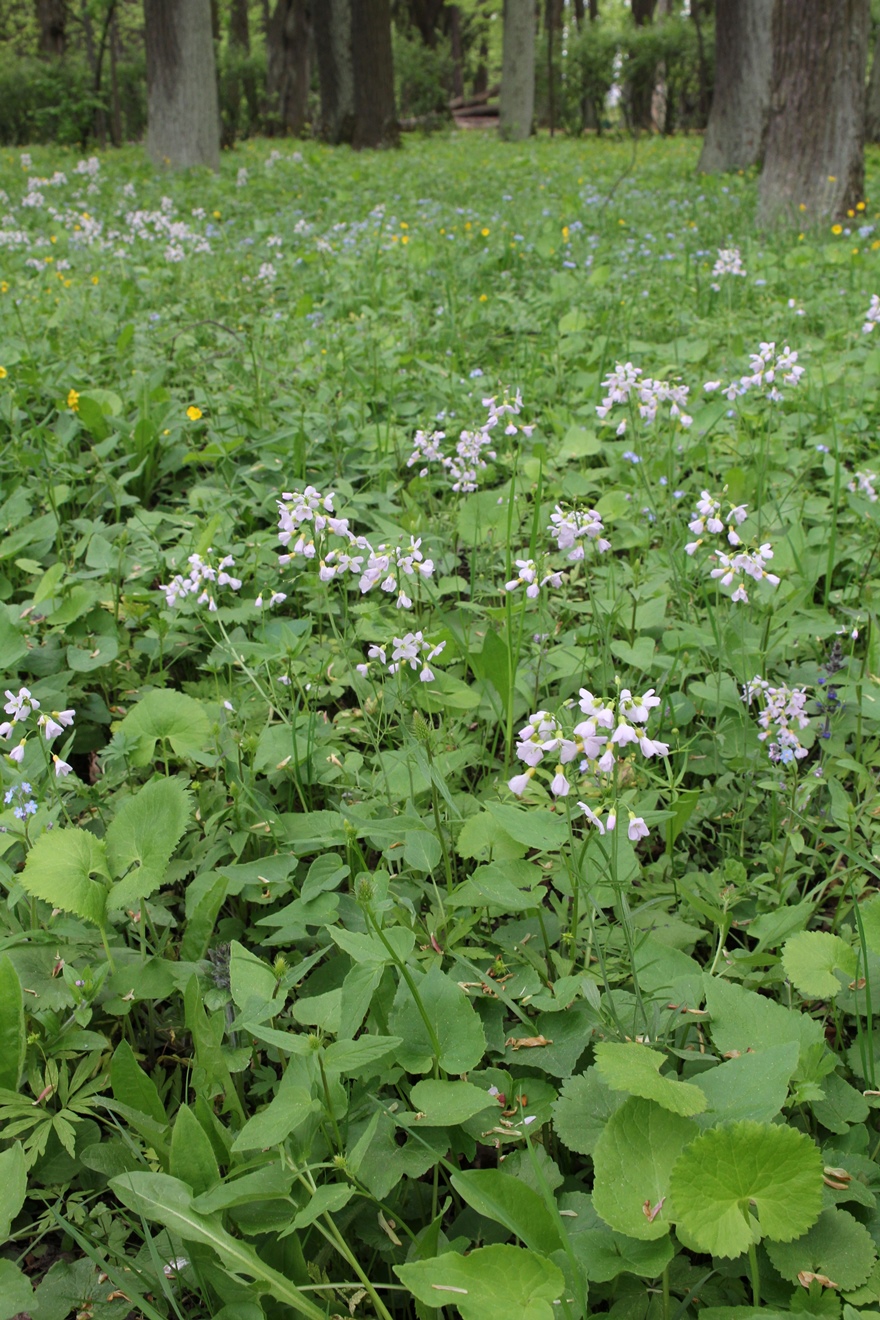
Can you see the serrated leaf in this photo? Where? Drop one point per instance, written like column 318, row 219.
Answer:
column 584, row 1106
column 446, row 1104
column 60, row 869
column 837, row 1246
column 730, row 1171
column 604, row 1254
column 636, row 1069
column 752, row 1086
column 633, row 1162
column 492, row 1283
column 141, row 839
column 742, row 1020
column 167, row 716
column 809, row 959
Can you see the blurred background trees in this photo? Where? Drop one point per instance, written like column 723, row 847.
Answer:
column 791, row 86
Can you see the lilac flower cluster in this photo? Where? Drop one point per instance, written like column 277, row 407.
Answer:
column 572, row 530
column 768, row 370
column 20, row 706
column 203, row 578
column 872, row 315
column 782, row 712
column 626, row 382
column 307, row 520
column 412, row 649
column 735, row 568
column 596, row 744
column 465, row 465
column 729, row 263
column 864, row 484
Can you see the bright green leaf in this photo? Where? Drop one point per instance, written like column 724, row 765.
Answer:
column 446, row 1104
column 809, row 960
column 492, row 1283
column 633, row 1161
column 584, row 1106
column 837, row 1246
column 636, row 1069
column 61, row 869
column 141, row 839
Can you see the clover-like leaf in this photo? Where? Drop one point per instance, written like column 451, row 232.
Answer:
column 66, row 868
column 636, row 1069
column 809, row 959
column 837, row 1246
column 731, row 1171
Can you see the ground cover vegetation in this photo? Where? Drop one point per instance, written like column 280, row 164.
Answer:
column 440, row 738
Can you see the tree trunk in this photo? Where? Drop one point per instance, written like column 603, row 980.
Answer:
column 289, row 65
column 375, row 122
column 815, row 139
column 579, row 14
column 552, row 21
column 740, row 111
column 481, row 77
column 332, row 20
column 239, row 26
column 183, row 119
column 456, row 49
column 52, row 24
column 115, row 106
column 426, row 15
column 517, row 70
column 872, row 107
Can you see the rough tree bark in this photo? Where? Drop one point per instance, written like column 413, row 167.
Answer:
column 183, row 119
column 814, row 156
column 456, row 49
column 517, row 70
column 872, row 106
column 332, row 21
column 289, row 65
column 375, row 121
column 740, row 110
column 52, row 24
column 641, row 76
column 239, row 26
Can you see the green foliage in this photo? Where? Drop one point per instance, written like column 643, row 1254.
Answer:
column 303, row 1008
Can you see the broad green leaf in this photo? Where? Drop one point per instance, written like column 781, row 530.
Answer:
column 636, row 1069
column 729, row 1172
column 511, row 1202
column 272, row 1125
column 168, row 1201
column 842, row 1105
column 809, row 960
column 633, row 1161
column 422, row 850
column 192, row 1158
column 324, row 1200
column 446, row 1104
column 167, row 716
column 13, row 1041
column 837, row 1246
column 268, row 1183
column 61, row 869
column 83, row 661
column 870, row 915
column 252, row 983
column 131, row 1085
column 532, row 827
column 604, row 1254
column 511, row 885
column 752, row 1086
column 141, row 838
column 742, row 1020
column 584, row 1106
column 351, row 1057
column 16, row 1291
column 482, row 832
column 492, row 1283
column 13, row 1186
column 454, row 1021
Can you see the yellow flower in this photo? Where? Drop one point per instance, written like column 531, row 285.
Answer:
column 405, row 239
column 4, row 287
column 851, row 213
column 837, row 229
column 73, row 400
column 860, row 206
column 193, row 413
column 832, row 178
column 875, row 245
column 404, row 225
column 216, row 215
column 484, row 297
column 802, row 206
column 800, row 238
column 485, row 233
column 468, row 225
column 3, row 373
column 96, row 279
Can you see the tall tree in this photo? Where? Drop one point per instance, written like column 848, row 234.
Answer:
column 239, row 26
column 872, row 106
column 375, row 120
column 814, row 157
column 517, row 70
column 183, row 119
column 743, row 71
column 52, row 25
column 332, row 20
column 288, row 45
column 641, row 71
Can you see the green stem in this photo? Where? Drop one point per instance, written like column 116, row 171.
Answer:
column 755, row 1273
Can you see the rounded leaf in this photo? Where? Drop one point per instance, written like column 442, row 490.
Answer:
column 633, row 1161
column 809, row 959
column 837, row 1246
column 731, row 1171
